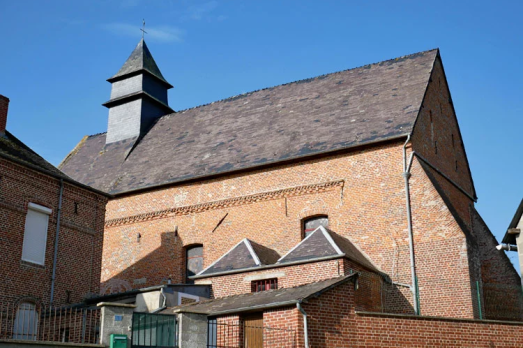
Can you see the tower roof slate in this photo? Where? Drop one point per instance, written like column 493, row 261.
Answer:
column 337, row 111
column 140, row 59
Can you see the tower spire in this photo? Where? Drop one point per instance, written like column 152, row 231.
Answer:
column 138, row 96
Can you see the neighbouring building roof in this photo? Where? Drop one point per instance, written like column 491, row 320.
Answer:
column 510, row 238
column 14, row 149
column 260, row 300
column 322, row 243
column 245, row 254
column 373, row 103
column 11, row 148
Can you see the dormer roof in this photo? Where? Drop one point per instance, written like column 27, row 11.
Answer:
column 323, row 243
column 245, row 254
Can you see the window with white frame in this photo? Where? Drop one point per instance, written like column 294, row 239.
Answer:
column 35, row 234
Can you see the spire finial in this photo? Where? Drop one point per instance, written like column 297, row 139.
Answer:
column 143, row 28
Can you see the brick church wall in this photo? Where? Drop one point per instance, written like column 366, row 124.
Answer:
column 363, row 193
column 80, row 244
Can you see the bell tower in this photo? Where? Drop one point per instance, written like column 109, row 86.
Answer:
column 138, row 96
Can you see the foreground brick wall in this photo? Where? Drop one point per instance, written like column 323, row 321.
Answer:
column 80, row 244
column 334, row 323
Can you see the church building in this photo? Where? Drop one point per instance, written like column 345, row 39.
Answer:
column 360, row 176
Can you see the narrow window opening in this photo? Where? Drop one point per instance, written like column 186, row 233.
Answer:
column 312, row 223
column 76, row 204
column 452, row 135
column 431, row 126
column 67, row 296
column 264, row 285
column 436, row 147
column 35, row 234
column 193, row 262
column 456, row 165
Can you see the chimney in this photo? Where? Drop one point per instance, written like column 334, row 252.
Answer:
column 4, row 104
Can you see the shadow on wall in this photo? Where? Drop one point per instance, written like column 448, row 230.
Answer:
column 374, row 294
column 155, row 268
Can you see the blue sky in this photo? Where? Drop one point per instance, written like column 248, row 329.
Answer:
column 56, row 55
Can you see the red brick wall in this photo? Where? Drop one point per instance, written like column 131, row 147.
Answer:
column 80, row 244
column 364, row 198
column 437, row 123
column 4, row 106
column 363, row 193
column 386, row 331
column 333, row 323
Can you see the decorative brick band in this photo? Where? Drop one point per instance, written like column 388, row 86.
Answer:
column 229, row 202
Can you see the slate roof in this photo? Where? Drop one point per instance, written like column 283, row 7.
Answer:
column 140, row 59
column 322, row 243
column 319, row 245
column 373, row 103
column 260, row 300
column 11, row 148
column 245, row 254
column 14, row 149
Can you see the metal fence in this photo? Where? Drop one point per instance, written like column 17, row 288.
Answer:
column 37, row 322
column 154, row 330
column 242, row 335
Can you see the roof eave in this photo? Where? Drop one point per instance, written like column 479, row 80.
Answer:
column 117, row 77
column 265, row 165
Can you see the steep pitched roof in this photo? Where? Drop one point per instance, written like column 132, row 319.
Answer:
column 11, row 148
column 260, row 300
column 140, row 59
column 373, row 103
column 14, row 149
column 323, row 243
column 245, row 254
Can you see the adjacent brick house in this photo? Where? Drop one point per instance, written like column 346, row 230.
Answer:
column 268, row 165
column 37, row 204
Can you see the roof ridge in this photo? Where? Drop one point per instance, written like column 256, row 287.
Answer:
column 303, row 80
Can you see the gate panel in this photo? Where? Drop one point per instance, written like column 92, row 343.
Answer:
column 154, row 330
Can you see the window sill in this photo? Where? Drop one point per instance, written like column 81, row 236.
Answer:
column 31, row 264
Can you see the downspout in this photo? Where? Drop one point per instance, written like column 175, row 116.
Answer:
column 305, row 331
column 57, row 234
column 406, row 175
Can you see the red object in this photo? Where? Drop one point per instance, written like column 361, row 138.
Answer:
column 264, row 285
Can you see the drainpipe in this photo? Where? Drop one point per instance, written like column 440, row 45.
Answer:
column 406, row 175
column 305, row 332
column 57, row 233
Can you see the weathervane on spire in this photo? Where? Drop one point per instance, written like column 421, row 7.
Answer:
column 143, row 29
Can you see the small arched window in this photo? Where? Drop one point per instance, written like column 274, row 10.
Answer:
column 193, row 261
column 26, row 322
column 312, row 223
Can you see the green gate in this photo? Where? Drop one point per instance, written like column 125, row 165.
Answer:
column 154, row 330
